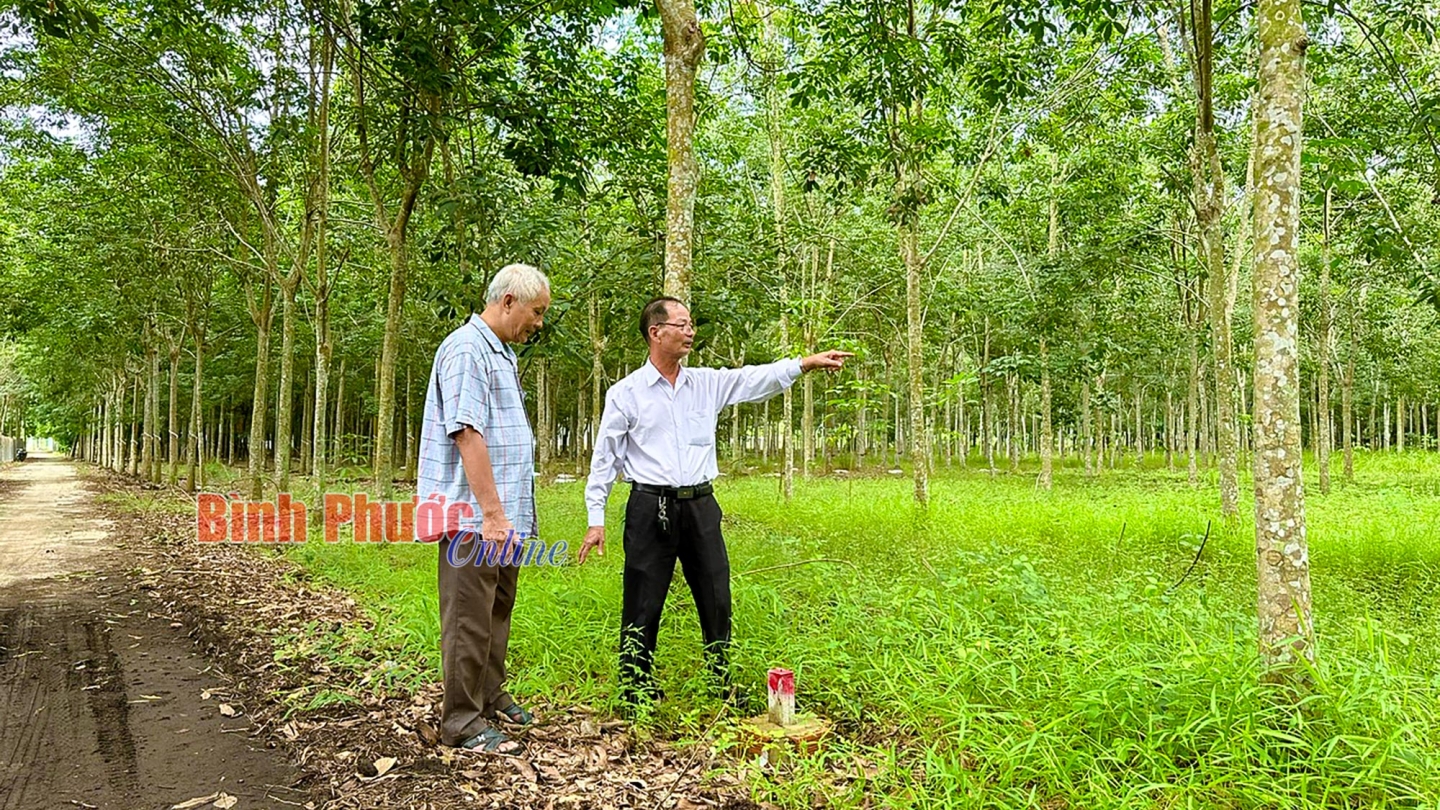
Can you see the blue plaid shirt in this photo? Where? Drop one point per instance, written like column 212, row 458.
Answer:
column 475, row 382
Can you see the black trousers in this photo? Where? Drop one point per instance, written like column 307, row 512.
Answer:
column 651, row 549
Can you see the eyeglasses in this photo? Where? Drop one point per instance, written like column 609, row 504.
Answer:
column 681, row 325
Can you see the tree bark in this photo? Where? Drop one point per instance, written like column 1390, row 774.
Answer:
column 132, row 465
column 1282, row 555
column 543, row 418
column 1016, row 425
column 1047, row 431
column 684, row 47
column 1210, row 197
column 1400, row 418
column 150, row 417
column 915, row 354
column 597, row 366
column 196, row 451
column 1192, row 408
column 286, row 401
column 987, row 408
column 1322, row 354
column 172, row 419
column 262, row 312
column 324, row 349
column 307, row 422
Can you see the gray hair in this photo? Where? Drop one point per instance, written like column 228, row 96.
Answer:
column 520, row 280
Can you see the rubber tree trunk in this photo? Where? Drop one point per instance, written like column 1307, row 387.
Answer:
column 987, row 407
column 284, row 408
column 682, row 164
column 684, row 47
column 150, row 428
column 1281, row 552
column 389, row 352
column 1015, row 426
column 324, row 349
column 132, row 465
column 915, row 354
column 1047, row 431
column 544, row 419
column 1209, row 199
column 597, row 367
column 262, row 313
column 1347, row 391
column 338, row 423
column 1192, row 408
column 196, row 449
column 1322, row 353
column 172, row 417
column 307, row 422
column 1400, row 418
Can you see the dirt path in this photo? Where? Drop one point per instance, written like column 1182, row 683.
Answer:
column 102, row 697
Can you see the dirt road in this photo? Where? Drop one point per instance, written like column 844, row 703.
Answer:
column 103, row 700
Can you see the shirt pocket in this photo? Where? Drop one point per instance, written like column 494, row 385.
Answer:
column 701, row 429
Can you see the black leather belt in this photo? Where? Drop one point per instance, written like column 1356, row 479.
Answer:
column 678, row 493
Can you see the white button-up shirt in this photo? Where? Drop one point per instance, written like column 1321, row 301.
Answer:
column 663, row 435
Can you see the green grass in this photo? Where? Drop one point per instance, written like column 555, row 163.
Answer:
column 1009, row 648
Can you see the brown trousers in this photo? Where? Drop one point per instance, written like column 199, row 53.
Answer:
column 476, row 599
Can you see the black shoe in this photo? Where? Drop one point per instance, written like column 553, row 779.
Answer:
column 493, row 741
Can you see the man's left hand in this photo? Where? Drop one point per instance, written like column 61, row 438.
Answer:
column 832, row 360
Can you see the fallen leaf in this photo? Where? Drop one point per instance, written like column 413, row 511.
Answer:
column 195, row 802
column 225, row 801
column 227, row 710
column 383, row 765
column 205, row 694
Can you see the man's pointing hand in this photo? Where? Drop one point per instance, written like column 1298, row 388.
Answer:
column 830, row 361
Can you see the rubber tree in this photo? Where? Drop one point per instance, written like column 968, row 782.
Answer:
column 1282, row 554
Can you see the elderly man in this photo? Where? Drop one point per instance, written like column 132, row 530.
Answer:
column 658, row 432
column 477, row 453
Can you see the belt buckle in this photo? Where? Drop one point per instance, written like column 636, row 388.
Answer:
column 685, row 493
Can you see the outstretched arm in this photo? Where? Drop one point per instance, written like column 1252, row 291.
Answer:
column 758, row 383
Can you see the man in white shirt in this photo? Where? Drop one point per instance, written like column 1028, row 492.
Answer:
column 658, row 432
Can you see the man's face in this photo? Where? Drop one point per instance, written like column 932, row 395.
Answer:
column 524, row 318
column 672, row 339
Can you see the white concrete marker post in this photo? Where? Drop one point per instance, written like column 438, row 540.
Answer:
column 782, row 697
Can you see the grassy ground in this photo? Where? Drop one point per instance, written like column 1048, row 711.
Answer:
column 1011, row 648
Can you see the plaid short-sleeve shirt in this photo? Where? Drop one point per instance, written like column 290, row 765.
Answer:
column 475, row 381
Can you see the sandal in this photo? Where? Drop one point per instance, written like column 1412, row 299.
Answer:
column 492, row 741
column 516, row 714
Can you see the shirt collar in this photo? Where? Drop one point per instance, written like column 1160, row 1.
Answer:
column 496, row 344
column 653, row 375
